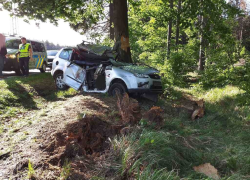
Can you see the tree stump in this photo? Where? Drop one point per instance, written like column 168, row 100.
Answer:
column 129, row 109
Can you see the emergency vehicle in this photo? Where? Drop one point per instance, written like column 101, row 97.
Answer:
column 39, row 55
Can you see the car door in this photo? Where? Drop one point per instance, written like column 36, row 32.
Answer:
column 35, row 64
column 73, row 74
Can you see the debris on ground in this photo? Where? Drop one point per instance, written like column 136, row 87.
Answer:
column 199, row 109
column 85, row 137
column 189, row 105
column 154, row 116
column 76, row 136
column 82, row 143
column 129, row 109
column 208, row 170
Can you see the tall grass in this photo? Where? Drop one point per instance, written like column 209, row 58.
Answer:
column 220, row 138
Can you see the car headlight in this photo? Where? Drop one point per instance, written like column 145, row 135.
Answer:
column 11, row 56
column 141, row 75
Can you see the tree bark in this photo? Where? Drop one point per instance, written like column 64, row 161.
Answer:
column 178, row 25
column 121, row 30
column 169, row 29
column 111, row 15
column 202, row 46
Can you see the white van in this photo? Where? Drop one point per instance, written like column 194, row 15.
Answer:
column 39, row 55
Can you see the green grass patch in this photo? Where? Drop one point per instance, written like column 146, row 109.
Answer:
column 19, row 95
column 221, row 138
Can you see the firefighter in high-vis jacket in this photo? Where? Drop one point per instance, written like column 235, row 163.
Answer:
column 25, row 54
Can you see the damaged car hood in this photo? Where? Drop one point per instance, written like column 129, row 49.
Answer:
column 98, row 50
column 134, row 68
column 139, row 69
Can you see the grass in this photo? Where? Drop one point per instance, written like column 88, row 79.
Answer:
column 220, row 138
column 23, row 101
column 19, row 95
column 31, row 171
column 66, row 170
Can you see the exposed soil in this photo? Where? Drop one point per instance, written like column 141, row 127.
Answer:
column 61, row 136
column 86, row 139
column 74, row 132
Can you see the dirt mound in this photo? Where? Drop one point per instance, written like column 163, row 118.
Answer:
column 65, row 148
column 87, row 137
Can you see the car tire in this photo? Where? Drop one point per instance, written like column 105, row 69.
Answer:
column 60, row 85
column 119, row 87
column 43, row 69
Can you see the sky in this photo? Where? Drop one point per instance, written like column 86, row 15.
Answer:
column 61, row 34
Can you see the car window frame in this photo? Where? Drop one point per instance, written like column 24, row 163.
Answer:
column 69, row 54
column 43, row 47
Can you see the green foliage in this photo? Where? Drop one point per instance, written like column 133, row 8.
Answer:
column 219, row 138
column 162, row 174
column 244, row 80
column 148, row 22
column 65, row 173
column 178, row 65
column 82, row 15
column 31, row 171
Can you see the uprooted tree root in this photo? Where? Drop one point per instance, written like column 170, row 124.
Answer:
column 84, row 146
column 85, row 137
column 129, row 109
column 82, row 143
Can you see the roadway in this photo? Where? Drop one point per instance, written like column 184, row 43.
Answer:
column 11, row 74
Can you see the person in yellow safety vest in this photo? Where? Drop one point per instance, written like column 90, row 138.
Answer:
column 25, row 54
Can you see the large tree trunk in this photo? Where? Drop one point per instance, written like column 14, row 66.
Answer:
column 178, row 25
column 202, row 57
column 169, row 30
column 121, row 30
column 111, row 16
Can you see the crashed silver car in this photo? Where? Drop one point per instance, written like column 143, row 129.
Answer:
column 88, row 71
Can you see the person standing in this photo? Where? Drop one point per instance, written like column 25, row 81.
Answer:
column 25, row 54
column 3, row 52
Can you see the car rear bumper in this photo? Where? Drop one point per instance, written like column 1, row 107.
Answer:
column 11, row 64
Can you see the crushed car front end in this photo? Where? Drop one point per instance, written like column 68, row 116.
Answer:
column 150, row 83
column 138, row 79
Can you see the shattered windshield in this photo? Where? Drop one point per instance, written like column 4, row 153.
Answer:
column 118, row 64
column 94, row 48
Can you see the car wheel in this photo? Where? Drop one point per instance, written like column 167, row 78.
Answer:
column 117, row 88
column 43, row 69
column 60, row 85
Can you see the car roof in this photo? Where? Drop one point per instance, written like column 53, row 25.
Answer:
column 19, row 38
column 69, row 48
